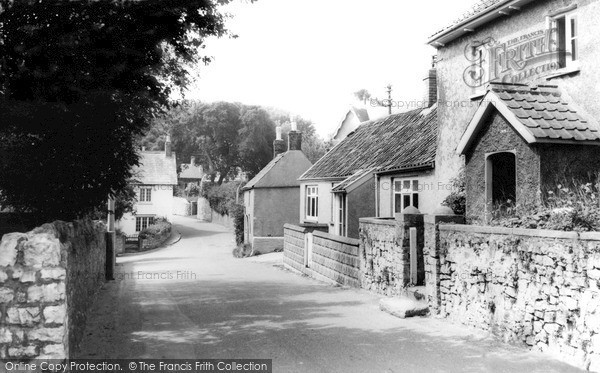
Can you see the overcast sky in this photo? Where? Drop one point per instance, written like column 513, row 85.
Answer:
column 309, row 56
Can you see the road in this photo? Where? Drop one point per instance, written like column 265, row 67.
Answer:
column 195, row 300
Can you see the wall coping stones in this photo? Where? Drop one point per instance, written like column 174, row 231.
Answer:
column 378, row 221
column 295, row 228
column 331, row 237
column 544, row 233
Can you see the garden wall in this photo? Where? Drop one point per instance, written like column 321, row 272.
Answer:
column 336, row 258
column 49, row 277
column 537, row 288
column 293, row 247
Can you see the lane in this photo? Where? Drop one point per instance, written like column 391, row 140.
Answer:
column 194, row 299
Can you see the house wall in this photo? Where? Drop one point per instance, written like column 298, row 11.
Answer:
column 249, row 214
column 456, row 108
column 360, row 204
column 529, row 287
column 274, row 207
column 349, row 124
column 325, row 202
column 161, row 206
column 497, row 136
column 427, row 195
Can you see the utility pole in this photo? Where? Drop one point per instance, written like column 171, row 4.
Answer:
column 389, row 103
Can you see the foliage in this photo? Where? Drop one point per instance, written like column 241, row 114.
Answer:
column 79, row 82
column 160, row 228
column 224, row 136
column 236, row 211
column 192, row 190
column 243, row 251
column 457, row 199
column 125, row 200
column 571, row 206
column 221, row 198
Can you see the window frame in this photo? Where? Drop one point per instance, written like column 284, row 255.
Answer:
column 312, row 203
column 342, row 214
column 142, row 222
column 145, row 194
column 569, row 35
column 410, row 192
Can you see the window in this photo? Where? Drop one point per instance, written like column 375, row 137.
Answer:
column 142, row 222
column 312, row 202
column 567, row 33
column 145, row 194
column 341, row 214
column 501, row 180
column 406, row 194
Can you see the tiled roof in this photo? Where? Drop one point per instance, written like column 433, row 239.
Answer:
column 341, row 187
column 545, row 113
column 361, row 113
column 476, row 9
column 399, row 141
column 191, row 171
column 539, row 114
column 156, row 169
column 282, row 171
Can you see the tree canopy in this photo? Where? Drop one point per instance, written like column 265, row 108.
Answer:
column 80, row 80
column 225, row 136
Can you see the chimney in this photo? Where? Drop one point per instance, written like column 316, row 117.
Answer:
column 193, row 161
column 278, row 144
column 168, row 152
column 294, row 137
column 431, row 85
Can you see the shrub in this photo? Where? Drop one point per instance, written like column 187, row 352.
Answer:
column 457, row 199
column 243, row 251
column 161, row 227
column 237, row 213
column 221, row 197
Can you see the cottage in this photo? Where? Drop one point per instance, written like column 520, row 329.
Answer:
column 523, row 142
column 155, row 179
column 191, row 173
column 550, row 46
column 382, row 168
column 271, row 197
column 352, row 119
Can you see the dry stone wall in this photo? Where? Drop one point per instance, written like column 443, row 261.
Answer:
column 536, row 288
column 48, row 280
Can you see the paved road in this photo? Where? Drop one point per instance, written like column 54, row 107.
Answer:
column 193, row 299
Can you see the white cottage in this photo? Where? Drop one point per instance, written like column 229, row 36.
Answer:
column 155, row 179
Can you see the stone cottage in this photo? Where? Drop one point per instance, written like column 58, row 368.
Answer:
column 271, row 197
column 382, row 168
column 521, row 143
column 155, row 179
column 532, row 42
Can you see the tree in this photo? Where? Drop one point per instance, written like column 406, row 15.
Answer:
column 80, row 80
column 256, row 140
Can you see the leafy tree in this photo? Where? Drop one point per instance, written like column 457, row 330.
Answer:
column 79, row 81
column 256, row 140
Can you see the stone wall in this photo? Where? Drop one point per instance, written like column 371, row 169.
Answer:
column 336, row 258
column 380, row 256
column 293, row 247
column 385, row 253
column 536, row 288
column 48, row 279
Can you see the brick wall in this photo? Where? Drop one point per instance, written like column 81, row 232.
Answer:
column 535, row 288
column 336, row 258
column 48, row 279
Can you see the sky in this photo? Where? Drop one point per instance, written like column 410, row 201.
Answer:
column 309, row 56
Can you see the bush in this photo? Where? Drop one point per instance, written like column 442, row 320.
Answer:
column 243, row 251
column 237, row 213
column 221, row 197
column 457, row 199
column 160, row 228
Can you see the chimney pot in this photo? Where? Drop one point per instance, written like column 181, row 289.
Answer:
column 168, row 151
column 193, row 160
column 278, row 132
column 294, row 124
